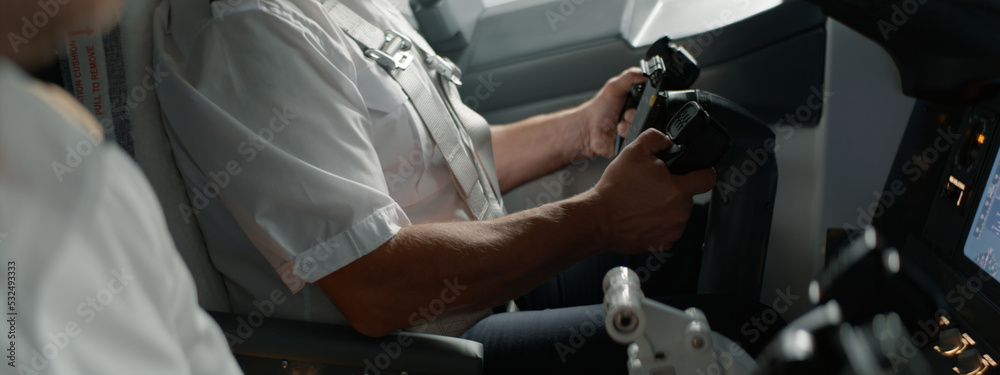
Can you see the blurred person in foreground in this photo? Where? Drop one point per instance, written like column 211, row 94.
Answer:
column 94, row 282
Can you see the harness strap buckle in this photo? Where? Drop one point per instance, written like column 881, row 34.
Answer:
column 394, row 53
column 446, row 68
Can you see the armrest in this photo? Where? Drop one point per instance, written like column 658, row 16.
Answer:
column 277, row 345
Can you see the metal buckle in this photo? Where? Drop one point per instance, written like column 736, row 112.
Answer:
column 652, row 66
column 392, row 55
column 654, row 69
column 444, row 67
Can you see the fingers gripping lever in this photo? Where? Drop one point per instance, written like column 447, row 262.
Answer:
column 668, row 67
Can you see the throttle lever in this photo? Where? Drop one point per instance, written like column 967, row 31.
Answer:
column 699, row 141
column 668, row 67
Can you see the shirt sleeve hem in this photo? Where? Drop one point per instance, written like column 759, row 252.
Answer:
column 332, row 253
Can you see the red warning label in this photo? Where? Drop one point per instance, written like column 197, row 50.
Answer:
column 89, row 72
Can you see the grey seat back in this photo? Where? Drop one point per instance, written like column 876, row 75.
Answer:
column 131, row 78
column 155, row 157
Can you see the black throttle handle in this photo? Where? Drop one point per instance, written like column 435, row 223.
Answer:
column 699, row 141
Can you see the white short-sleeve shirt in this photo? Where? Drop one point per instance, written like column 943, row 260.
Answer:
column 94, row 283
column 295, row 146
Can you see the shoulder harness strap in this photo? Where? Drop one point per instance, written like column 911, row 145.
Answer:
column 442, row 110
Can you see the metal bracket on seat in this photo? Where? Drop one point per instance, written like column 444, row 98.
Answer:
column 394, row 53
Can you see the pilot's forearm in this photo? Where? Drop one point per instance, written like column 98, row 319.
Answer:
column 469, row 266
column 537, row 146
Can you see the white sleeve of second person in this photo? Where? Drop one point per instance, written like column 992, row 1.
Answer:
column 95, row 283
column 133, row 301
column 296, row 166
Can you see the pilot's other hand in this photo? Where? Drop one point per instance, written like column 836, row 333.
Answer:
column 602, row 111
column 646, row 207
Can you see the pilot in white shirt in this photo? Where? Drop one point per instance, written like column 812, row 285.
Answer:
column 347, row 179
column 311, row 172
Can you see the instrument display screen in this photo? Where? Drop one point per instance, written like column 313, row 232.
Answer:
column 983, row 243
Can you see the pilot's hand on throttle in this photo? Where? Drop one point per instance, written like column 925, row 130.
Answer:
column 602, row 111
column 646, row 206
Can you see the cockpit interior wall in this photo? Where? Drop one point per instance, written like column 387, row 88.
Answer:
column 863, row 120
